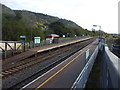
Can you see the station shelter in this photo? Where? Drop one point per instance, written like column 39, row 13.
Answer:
column 52, row 38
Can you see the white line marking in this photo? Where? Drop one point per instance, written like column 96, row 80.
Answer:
column 49, row 71
column 53, row 68
column 79, row 77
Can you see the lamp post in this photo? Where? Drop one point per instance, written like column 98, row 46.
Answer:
column 99, row 28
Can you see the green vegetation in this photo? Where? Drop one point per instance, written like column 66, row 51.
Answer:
column 60, row 29
column 112, row 39
column 16, row 23
column 109, row 43
column 117, row 41
column 13, row 29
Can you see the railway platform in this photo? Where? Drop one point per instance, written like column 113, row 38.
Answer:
column 35, row 51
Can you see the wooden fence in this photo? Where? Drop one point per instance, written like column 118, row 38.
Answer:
column 9, row 48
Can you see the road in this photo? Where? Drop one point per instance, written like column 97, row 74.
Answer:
column 65, row 74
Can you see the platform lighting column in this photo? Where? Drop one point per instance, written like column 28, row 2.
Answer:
column 99, row 28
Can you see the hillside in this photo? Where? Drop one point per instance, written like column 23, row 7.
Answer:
column 22, row 22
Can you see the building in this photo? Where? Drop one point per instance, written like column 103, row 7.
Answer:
column 52, row 38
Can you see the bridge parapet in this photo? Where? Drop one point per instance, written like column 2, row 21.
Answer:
column 83, row 76
column 110, row 70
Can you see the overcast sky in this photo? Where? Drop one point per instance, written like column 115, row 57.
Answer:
column 85, row 13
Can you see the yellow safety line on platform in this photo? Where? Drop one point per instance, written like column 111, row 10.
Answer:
column 59, row 70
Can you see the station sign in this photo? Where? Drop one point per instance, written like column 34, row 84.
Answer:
column 37, row 40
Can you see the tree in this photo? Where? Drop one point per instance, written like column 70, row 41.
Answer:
column 58, row 28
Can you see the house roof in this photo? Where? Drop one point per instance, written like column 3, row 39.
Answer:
column 52, row 35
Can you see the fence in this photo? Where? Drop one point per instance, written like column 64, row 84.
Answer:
column 9, row 48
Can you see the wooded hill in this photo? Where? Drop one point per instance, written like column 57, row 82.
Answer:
column 16, row 23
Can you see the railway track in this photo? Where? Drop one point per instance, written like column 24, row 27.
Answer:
column 45, row 57
column 30, row 63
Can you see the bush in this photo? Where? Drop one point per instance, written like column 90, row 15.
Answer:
column 117, row 41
